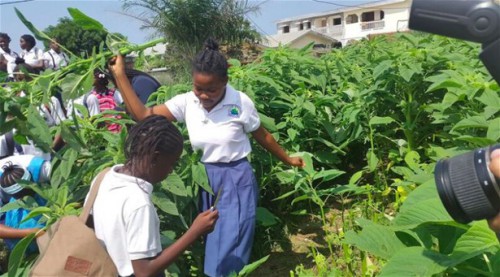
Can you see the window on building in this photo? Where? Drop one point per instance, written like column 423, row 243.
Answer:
column 323, row 23
column 301, row 26
column 367, row 16
column 286, row 29
column 337, row 21
column 308, row 25
column 382, row 14
column 352, row 18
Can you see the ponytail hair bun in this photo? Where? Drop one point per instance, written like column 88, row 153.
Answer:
column 211, row 44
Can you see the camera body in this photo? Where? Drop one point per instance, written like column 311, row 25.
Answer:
column 466, row 186
column 471, row 20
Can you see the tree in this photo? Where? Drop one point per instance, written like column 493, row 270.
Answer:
column 75, row 38
column 186, row 24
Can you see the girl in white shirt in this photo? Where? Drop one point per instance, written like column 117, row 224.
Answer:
column 31, row 54
column 124, row 216
column 218, row 119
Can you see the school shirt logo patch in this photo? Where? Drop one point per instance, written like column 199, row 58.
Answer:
column 234, row 111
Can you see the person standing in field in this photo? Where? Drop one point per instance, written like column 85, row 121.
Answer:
column 125, row 219
column 9, row 56
column 219, row 119
column 55, row 58
column 31, row 55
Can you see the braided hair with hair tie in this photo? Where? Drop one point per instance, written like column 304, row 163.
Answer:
column 211, row 60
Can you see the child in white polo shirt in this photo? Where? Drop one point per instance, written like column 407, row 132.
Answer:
column 219, row 120
column 125, row 220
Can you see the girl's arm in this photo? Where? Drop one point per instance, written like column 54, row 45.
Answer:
column 134, row 105
column 13, row 233
column 266, row 140
column 203, row 224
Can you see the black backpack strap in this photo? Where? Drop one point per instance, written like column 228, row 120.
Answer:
column 53, row 60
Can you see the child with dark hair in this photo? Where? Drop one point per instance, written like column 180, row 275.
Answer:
column 52, row 113
column 55, row 58
column 143, row 84
column 14, row 169
column 30, row 54
column 102, row 98
column 8, row 55
column 219, row 119
column 124, row 217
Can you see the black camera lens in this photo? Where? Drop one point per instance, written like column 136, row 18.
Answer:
column 466, row 186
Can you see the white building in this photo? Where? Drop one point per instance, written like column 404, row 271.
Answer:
column 342, row 25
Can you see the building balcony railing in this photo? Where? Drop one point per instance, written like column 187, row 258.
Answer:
column 334, row 30
column 372, row 25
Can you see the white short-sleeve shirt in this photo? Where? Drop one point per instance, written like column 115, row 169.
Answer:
column 11, row 61
column 54, row 60
column 32, row 57
column 222, row 133
column 125, row 220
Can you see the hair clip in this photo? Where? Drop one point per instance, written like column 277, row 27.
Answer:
column 101, row 76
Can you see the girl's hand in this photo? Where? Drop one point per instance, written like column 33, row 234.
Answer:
column 117, row 65
column 296, row 161
column 205, row 222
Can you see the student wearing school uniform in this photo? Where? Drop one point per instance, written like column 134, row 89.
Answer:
column 219, row 119
column 30, row 54
column 12, row 170
column 55, row 58
column 9, row 55
column 52, row 113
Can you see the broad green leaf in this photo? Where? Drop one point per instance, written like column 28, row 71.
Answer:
column 17, row 254
column 37, row 33
column 286, row 176
column 372, row 160
column 494, row 129
column 376, row 120
column 376, row 239
column 39, row 129
column 10, row 206
column 471, row 122
column 355, row 177
column 412, row 159
column 165, row 204
column 381, row 68
column 307, row 157
column 285, row 195
column 478, row 141
column 415, row 261
column 86, row 22
column 490, row 98
column 200, row 177
column 429, row 210
column 406, row 73
column 175, row 185
column 36, row 212
column 265, row 218
column 292, row 133
column 423, row 192
column 477, row 240
column 253, row 266
column 327, row 175
column 268, row 122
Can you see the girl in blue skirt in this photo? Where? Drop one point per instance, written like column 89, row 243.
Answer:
column 218, row 119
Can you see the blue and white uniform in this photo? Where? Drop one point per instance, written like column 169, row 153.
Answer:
column 39, row 172
column 222, row 135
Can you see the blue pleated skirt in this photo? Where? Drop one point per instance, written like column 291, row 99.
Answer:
column 229, row 246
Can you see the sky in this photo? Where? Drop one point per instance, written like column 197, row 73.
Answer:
column 43, row 13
